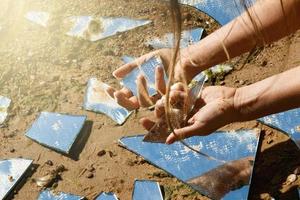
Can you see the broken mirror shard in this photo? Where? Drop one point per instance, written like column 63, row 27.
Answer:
column 288, row 122
column 56, row 131
column 93, row 29
column 167, row 41
column 38, row 17
column 215, row 179
column 148, row 70
column 49, row 195
column 4, row 105
column 222, row 11
column 98, row 100
column 11, row 172
column 107, row 196
column 146, row 190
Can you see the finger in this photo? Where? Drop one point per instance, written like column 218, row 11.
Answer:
column 178, row 86
column 110, row 91
column 124, row 70
column 126, row 92
column 185, row 132
column 147, row 124
column 143, row 96
column 159, row 109
column 160, row 84
column 128, row 103
column 127, row 68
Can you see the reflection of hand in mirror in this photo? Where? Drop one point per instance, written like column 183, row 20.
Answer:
column 225, row 178
column 125, row 97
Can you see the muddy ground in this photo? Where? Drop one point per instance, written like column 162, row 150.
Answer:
column 42, row 69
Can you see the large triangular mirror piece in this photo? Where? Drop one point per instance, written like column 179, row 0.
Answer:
column 227, row 176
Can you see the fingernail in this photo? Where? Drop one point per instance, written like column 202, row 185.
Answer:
column 169, row 141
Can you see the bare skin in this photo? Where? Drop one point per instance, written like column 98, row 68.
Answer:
column 219, row 106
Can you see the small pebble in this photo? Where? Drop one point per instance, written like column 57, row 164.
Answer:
column 12, row 150
column 49, row 162
column 264, row 63
column 90, row 175
column 10, row 178
column 101, row 153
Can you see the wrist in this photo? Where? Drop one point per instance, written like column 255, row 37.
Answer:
column 244, row 103
column 189, row 64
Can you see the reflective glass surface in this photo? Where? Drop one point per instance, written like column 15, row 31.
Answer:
column 217, row 178
column 148, row 70
column 288, row 122
column 93, row 29
column 146, row 190
column 11, row 171
column 223, row 11
column 4, row 105
column 38, row 17
column 107, row 196
column 167, row 41
column 48, row 195
column 98, row 100
column 57, row 131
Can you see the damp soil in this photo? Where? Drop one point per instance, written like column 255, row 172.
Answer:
column 42, row 69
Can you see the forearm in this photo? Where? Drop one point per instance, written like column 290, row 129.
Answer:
column 275, row 19
column 272, row 95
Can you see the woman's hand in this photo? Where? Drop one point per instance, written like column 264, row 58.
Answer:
column 214, row 109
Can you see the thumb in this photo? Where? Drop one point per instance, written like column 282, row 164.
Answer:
column 184, row 132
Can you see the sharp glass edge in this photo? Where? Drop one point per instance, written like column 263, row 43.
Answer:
column 109, row 107
column 51, row 146
column 20, row 177
column 145, row 190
